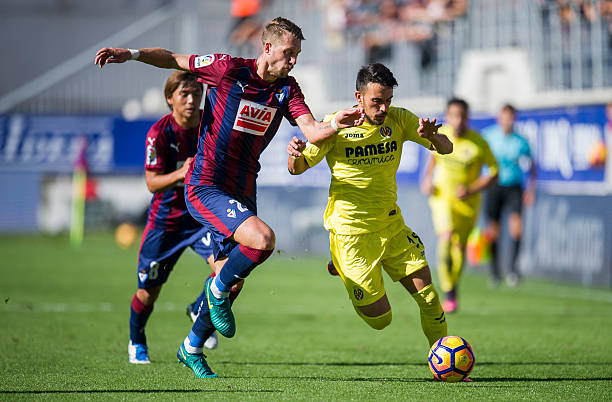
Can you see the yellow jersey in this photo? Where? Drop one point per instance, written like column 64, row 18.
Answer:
column 463, row 166
column 363, row 161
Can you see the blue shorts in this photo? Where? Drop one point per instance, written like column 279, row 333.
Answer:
column 220, row 213
column 160, row 250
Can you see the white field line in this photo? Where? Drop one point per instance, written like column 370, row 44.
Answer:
column 82, row 307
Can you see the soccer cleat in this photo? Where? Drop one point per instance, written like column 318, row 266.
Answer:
column 189, row 310
column 138, row 353
column 196, row 362
column 512, row 280
column 220, row 312
column 331, row 269
column 449, row 305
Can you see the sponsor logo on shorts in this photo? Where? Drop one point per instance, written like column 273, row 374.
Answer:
column 206, row 239
column 231, row 213
column 358, row 293
column 203, row 61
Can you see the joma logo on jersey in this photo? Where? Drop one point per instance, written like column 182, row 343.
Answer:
column 372, row 149
column 353, row 135
column 253, row 118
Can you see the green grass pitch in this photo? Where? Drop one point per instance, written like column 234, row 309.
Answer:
column 64, row 333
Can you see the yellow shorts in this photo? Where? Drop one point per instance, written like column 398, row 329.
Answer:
column 360, row 260
column 454, row 216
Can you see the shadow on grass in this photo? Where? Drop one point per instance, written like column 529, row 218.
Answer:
column 134, row 391
column 474, row 380
column 405, row 364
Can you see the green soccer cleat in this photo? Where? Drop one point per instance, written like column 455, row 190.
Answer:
column 196, row 362
column 220, row 312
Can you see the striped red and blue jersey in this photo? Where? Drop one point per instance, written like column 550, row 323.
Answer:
column 241, row 116
column 168, row 145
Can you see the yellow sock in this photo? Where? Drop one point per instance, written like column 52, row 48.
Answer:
column 457, row 253
column 445, row 265
column 378, row 322
column 433, row 320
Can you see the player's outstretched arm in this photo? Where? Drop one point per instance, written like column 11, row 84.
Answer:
column 296, row 164
column 429, row 130
column 316, row 131
column 157, row 57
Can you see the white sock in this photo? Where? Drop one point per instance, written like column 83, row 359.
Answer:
column 216, row 292
column 191, row 349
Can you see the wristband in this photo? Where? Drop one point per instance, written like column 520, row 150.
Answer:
column 134, row 54
column 333, row 123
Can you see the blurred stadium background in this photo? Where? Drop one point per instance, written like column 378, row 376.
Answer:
column 551, row 58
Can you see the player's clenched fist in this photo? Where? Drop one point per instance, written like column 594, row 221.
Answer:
column 112, row 55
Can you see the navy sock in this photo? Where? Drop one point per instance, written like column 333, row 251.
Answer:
column 139, row 314
column 202, row 328
column 241, row 261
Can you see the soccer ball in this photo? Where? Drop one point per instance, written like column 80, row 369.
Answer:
column 451, row 359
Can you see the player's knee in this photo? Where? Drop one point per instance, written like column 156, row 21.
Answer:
column 378, row 322
column 149, row 295
column 264, row 239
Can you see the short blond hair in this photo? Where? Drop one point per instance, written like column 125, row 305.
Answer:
column 276, row 28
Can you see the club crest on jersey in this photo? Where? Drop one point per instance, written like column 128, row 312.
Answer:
column 385, row 131
column 203, row 61
column 253, row 118
column 358, row 293
column 231, row 213
column 280, row 95
column 142, row 275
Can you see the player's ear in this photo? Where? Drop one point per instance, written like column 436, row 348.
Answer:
column 358, row 97
column 267, row 47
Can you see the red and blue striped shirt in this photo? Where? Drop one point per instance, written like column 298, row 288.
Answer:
column 242, row 114
column 168, row 145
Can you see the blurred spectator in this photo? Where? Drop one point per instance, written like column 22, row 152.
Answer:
column 246, row 25
column 335, row 24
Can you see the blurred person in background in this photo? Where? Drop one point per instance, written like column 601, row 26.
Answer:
column 454, row 183
column 366, row 229
column 171, row 144
column 509, row 193
column 246, row 100
column 246, row 24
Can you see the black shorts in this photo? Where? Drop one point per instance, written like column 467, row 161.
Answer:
column 498, row 198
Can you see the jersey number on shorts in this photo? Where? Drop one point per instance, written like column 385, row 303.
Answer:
column 238, row 205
